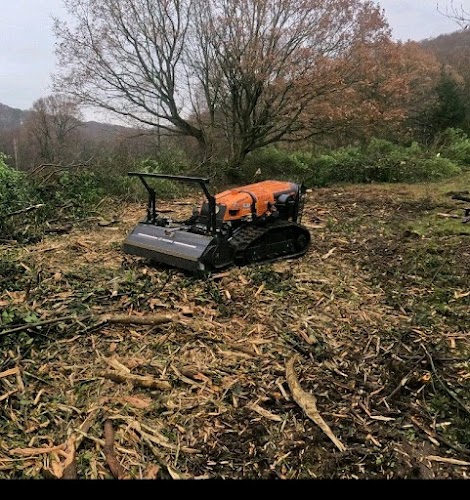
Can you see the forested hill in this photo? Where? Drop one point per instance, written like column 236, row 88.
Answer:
column 11, row 117
column 450, row 46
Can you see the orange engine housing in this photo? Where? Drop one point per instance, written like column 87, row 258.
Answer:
column 260, row 197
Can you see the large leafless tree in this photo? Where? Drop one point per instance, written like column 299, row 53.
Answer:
column 51, row 123
column 237, row 72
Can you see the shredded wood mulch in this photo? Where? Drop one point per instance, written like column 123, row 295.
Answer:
column 351, row 362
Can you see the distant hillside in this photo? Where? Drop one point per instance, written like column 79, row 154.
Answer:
column 103, row 131
column 453, row 50
column 451, row 47
column 11, row 117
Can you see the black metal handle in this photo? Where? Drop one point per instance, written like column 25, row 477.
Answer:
column 202, row 181
column 168, row 176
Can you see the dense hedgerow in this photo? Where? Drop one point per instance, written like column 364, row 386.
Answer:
column 378, row 161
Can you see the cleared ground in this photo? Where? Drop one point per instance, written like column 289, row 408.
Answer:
column 218, row 380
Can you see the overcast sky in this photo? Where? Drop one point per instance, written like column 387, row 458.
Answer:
column 27, row 43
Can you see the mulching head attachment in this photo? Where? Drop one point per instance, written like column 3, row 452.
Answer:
column 185, row 245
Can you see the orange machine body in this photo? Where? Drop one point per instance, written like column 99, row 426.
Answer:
column 261, row 196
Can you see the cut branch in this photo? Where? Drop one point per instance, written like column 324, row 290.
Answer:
column 142, row 381
column 443, row 385
column 116, row 468
column 124, row 319
column 308, row 403
column 154, row 319
column 461, row 197
column 25, row 210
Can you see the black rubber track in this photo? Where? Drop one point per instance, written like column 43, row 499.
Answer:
column 258, row 244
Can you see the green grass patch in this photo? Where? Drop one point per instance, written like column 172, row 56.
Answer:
column 435, row 225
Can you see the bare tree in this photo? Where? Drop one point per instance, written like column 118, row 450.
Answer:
column 243, row 70
column 50, row 123
column 457, row 13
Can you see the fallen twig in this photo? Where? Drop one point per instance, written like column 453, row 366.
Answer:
column 24, row 210
column 124, row 319
column 103, row 223
column 86, row 426
column 449, row 216
column 460, row 197
column 308, row 403
column 264, row 413
column 46, row 322
column 158, row 438
column 63, row 456
column 8, row 394
column 404, row 380
column 32, row 452
column 11, row 371
column 451, row 394
column 154, row 319
column 74, row 442
column 69, row 467
column 448, row 461
column 116, row 468
column 434, row 436
column 147, row 382
column 65, row 229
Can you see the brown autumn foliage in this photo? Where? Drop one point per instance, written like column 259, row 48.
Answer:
column 390, row 83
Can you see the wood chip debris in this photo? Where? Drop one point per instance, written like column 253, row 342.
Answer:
column 197, row 376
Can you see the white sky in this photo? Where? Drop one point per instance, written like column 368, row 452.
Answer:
column 27, row 43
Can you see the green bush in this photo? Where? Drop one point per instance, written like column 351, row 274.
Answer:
column 435, row 168
column 454, row 144
column 79, row 191
column 165, row 189
column 379, row 161
column 271, row 161
column 82, row 188
column 172, row 162
column 110, row 175
column 14, row 194
column 378, row 148
column 13, row 188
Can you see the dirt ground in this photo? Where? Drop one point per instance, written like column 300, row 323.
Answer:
column 351, row 362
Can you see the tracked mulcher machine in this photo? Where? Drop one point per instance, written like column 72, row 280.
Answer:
column 256, row 223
